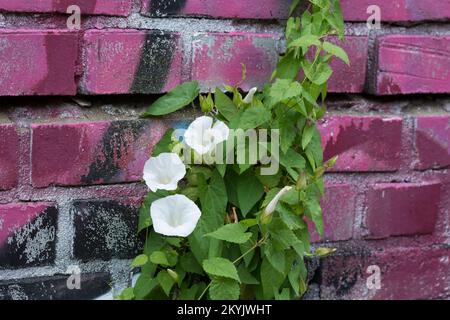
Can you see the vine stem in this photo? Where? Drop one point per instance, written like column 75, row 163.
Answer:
column 257, row 244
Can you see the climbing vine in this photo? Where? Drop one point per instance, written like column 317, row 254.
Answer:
column 237, row 229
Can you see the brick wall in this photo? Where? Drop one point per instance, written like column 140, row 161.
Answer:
column 72, row 147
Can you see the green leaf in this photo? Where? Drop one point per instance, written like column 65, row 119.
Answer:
column 308, row 133
column 163, row 145
column 271, row 279
column 314, row 211
column 293, row 6
column 190, row 264
column 245, row 275
column 305, row 41
column 249, row 191
column 139, row 261
column 224, row 289
column 336, row 51
column 254, row 117
column 275, row 257
column 288, row 67
column 127, row 294
column 144, row 285
column 159, row 257
column 225, row 105
column 292, row 159
column 221, row 267
column 165, row 281
column 213, row 200
column 176, row 99
column 233, row 232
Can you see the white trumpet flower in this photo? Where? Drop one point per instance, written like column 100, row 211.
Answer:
column 174, row 215
column 203, row 136
column 249, row 97
column 164, row 171
column 273, row 203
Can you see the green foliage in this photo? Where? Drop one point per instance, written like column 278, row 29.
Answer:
column 238, row 249
column 176, row 99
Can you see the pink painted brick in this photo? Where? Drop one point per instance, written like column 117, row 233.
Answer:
column 27, row 234
column 88, row 153
column 217, row 59
column 432, row 135
column 9, row 155
column 107, row 7
column 369, row 143
column 339, row 205
column 131, row 61
column 37, row 62
column 397, row 10
column 413, row 64
column 396, row 209
column 249, row 9
column 406, row 273
column 353, row 10
column 350, row 78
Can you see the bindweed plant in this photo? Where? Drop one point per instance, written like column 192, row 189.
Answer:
column 230, row 197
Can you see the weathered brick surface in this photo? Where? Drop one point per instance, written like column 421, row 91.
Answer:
column 105, row 229
column 27, row 234
column 95, row 152
column 37, row 62
column 353, row 10
column 413, row 64
column 350, row 78
column 251, row 9
column 217, row 59
column 432, row 139
column 369, row 143
column 397, row 10
column 406, row 273
column 395, row 209
column 108, row 7
column 9, row 155
column 55, row 288
column 131, row 61
column 338, row 205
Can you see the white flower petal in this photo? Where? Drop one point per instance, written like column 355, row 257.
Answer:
column 273, row 204
column 174, row 215
column 164, row 172
column 203, row 137
column 221, row 132
column 249, row 98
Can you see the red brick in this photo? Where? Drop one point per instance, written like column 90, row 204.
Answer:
column 413, row 64
column 338, row 205
column 87, row 153
column 397, row 10
column 391, row 10
column 217, row 59
column 37, row 62
column 9, row 155
column 368, row 143
column 131, row 61
column 432, row 138
column 107, row 7
column 396, row 209
column 27, row 234
column 249, row 9
column 350, row 78
column 406, row 273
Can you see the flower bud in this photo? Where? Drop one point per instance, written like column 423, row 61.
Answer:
column 268, row 211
